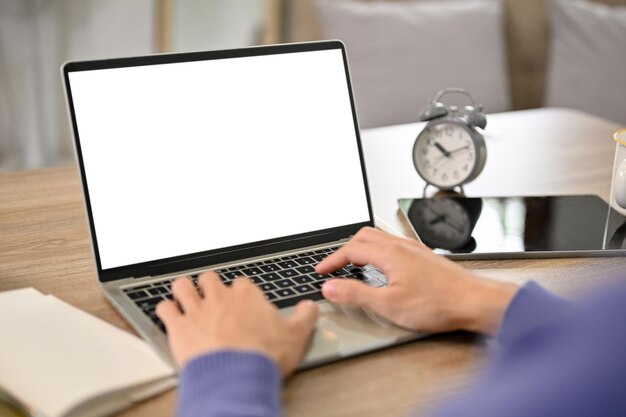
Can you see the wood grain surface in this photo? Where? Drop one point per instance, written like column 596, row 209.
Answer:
column 44, row 244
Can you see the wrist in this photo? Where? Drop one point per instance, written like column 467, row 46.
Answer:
column 484, row 305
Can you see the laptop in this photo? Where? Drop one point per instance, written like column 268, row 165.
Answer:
column 245, row 162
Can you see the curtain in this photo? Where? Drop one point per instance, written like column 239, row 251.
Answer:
column 36, row 37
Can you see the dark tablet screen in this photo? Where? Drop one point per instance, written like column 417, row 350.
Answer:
column 497, row 227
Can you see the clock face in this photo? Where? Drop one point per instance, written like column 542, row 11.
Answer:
column 445, row 154
column 441, row 223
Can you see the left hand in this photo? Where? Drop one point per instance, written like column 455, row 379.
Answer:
column 236, row 318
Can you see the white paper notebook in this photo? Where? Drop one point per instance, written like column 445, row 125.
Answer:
column 62, row 362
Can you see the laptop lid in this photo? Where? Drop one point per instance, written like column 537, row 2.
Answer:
column 195, row 159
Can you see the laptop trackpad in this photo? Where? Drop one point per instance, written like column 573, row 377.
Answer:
column 347, row 331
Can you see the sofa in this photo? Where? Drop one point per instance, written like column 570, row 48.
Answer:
column 527, row 33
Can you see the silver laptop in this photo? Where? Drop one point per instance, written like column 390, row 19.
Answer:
column 242, row 161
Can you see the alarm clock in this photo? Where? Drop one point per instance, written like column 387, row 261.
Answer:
column 449, row 152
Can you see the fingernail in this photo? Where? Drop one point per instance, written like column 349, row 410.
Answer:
column 329, row 289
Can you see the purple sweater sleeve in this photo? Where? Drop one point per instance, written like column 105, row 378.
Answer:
column 554, row 360
column 229, row 384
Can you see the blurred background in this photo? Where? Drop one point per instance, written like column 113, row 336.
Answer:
column 512, row 55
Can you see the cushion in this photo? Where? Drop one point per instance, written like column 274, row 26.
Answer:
column 588, row 60
column 402, row 53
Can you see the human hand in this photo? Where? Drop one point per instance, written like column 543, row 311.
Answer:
column 236, row 317
column 425, row 292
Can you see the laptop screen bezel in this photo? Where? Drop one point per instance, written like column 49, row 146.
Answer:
column 222, row 255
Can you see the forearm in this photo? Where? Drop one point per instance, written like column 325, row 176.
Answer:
column 229, row 384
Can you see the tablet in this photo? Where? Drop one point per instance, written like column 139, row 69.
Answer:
column 516, row 227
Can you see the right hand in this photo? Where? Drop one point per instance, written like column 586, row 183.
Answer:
column 425, row 292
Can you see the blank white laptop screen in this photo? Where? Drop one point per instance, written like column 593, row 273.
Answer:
column 188, row 157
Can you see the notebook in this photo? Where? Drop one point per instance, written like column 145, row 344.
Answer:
column 58, row 361
column 244, row 161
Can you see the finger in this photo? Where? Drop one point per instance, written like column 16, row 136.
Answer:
column 358, row 253
column 167, row 311
column 185, row 293
column 303, row 318
column 211, row 286
column 243, row 283
column 351, row 292
column 370, row 234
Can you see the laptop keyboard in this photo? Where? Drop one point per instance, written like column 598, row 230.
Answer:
column 284, row 281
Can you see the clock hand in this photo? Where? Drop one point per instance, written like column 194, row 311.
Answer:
column 438, row 161
column 443, row 150
column 454, row 226
column 457, row 150
column 438, row 219
column 450, row 153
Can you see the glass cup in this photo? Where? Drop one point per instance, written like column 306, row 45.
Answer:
column 619, row 175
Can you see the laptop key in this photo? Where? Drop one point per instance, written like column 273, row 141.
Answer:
column 284, row 283
column 149, row 302
column 232, row 274
column 357, row 275
column 318, row 277
column 305, row 261
column 252, row 271
column 266, row 286
column 288, row 273
column 303, row 279
column 305, row 269
column 270, row 296
column 304, row 288
column 318, row 284
column 256, row 280
column 340, row 273
column 137, row 294
column 286, row 292
column 162, row 327
column 288, row 264
column 288, row 302
column 158, row 290
column 270, row 268
column 272, row 276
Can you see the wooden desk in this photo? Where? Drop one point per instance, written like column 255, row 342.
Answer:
column 44, row 244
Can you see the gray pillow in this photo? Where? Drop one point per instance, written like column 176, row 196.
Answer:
column 402, row 53
column 588, row 61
